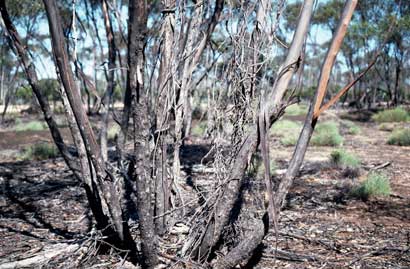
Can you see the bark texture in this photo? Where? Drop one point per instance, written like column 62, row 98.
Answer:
column 142, row 155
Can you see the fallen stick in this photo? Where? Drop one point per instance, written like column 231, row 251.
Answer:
column 383, row 165
column 291, row 256
column 42, row 257
column 379, row 251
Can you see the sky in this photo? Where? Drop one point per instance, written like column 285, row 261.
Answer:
column 46, row 67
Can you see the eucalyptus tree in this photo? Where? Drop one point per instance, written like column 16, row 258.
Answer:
column 254, row 93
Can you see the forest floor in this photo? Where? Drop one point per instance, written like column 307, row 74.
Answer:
column 43, row 209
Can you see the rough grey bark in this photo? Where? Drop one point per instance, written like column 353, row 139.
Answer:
column 112, row 53
column 80, row 169
column 103, row 178
column 189, row 66
column 271, row 109
column 234, row 256
column 163, row 182
column 137, row 31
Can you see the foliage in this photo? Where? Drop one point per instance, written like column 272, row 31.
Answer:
column 199, row 128
column 327, row 134
column 113, row 131
column 296, row 110
column 400, row 137
column 290, row 140
column 257, row 168
column 50, row 88
column 285, row 127
column 376, row 184
column 397, row 114
column 349, row 162
column 24, row 93
column 30, row 126
column 40, row 151
column 352, row 128
column 288, row 131
column 387, row 126
column 343, row 159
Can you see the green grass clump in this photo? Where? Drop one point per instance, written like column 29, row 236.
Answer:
column 352, row 128
column 40, row 151
column 327, row 134
column 400, row 137
column 199, row 129
column 30, row 126
column 343, row 159
column 391, row 115
column 349, row 162
column 113, row 131
column 289, row 140
column 257, row 168
column 376, row 184
column 288, row 131
column 296, row 110
column 386, row 126
column 284, row 127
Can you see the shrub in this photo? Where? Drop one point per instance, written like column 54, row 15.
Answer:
column 199, row 129
column 288, row 131
column 346, row 161
column 113, row 131
column 296, row 110
column 257, row 168
column 387, row 126
column 376, row 184
column 285, row 127
column 352, row 128
column 343, row 159
column 400, row 137
column 290, row 140
column 327, row 134
column 391, row 115
column 30, row 126
column 40, row 151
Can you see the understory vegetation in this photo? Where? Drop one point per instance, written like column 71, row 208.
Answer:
column 327, row 134
column 30, row 126
column 376, row 184
column 40, row 151
column 352, row 128
column 400, row 137
column 203, row 134
column 348, row 162
column 397, row 114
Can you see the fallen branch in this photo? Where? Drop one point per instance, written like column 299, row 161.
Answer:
column 379, row 251
column 291, row 256
column 42, row 257
column 312, row 240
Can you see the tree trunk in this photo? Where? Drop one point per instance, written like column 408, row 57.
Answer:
column 272, row 109
column 104, row 179
column 112, row 53
column 137, row 28
column 314, row 110
column 163, row 182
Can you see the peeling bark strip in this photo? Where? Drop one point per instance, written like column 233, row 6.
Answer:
column 137, row 31
column 112, row 53
column 163, row 182
column 272, row 109
column 332, row 53
column 312, row 117
column 189, row 66
column 104, row 180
